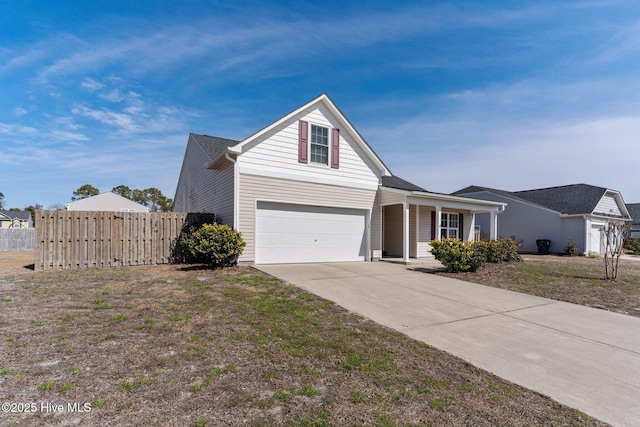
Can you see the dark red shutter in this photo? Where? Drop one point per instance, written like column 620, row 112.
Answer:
column 335, row 148
column 303, row 141
column 460, row 227
column 433, row 225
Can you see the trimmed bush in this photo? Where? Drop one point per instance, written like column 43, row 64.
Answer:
column 217, row 245
column 458, row 256
column 508, row 250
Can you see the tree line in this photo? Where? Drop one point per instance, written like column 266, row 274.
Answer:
column 149, row 197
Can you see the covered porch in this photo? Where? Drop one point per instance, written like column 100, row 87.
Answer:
column 412, row 219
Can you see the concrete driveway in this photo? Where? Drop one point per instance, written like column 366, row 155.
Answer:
column 585, row 358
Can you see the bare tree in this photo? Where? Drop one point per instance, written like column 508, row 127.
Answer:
column 614, row 234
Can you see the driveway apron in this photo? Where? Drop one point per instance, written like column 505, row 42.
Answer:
column 585, row 358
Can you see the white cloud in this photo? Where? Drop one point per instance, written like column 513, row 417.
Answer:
column 599, row 152
column 91, row 85
column 19, row 111
column 124, row 122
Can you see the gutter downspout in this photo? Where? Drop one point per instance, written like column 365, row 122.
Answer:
column 236, row 193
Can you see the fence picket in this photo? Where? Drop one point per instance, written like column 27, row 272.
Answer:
column 17, row 239
column 76, row 239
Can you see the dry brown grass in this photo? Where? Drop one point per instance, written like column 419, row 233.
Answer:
column 577, row 280
column 176, row 346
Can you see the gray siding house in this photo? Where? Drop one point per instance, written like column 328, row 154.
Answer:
column 575, row 213
column 634, row 211
column 16, row 219
column 308, row 188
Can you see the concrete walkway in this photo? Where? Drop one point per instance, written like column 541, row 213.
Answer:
column 585, row 358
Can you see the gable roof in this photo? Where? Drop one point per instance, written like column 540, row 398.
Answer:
column 334, row 110
column 108, row 202
column 21, row 215
column 572, row 199
column 634, row 211
column 567, row 199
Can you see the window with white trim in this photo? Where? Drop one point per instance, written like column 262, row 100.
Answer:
column 319, row 150
column 449, row 226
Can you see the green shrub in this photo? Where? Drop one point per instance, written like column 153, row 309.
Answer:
column 456, row 255
column 508, row 250
column 497, row 251
column 488, row 251
column 632, row 246
column 459, row 256
column 217, row 245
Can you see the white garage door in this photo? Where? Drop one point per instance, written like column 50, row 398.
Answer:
column 287, row 233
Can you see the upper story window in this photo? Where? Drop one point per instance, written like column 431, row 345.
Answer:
column 319, row 152
column 314, row 148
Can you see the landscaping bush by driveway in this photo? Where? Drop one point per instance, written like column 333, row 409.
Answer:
column 185, row 346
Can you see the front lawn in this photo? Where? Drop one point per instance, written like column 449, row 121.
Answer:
column 163, row 345
column 578, row 280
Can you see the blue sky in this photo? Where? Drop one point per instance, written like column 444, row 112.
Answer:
column 512, row 95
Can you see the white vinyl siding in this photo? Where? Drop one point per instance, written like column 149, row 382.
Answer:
column 424, row 234
column 607, row 206
column 255, row 188
column 204, row 190
column 276, row 155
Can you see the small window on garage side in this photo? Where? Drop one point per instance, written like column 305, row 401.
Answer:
column 449, row 226
column 319, row 152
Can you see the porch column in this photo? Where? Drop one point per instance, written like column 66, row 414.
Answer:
column 417, row 231
column 438, row 223
column 473, row 227
column 493, row 226
column 405, row 233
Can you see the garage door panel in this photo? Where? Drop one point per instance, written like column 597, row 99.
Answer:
column 288, row 233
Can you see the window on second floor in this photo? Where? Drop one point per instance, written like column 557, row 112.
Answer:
column 319, row 152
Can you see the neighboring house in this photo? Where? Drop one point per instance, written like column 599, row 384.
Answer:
column 575, row 213
column 16, row 219
column 308, row 188
column 106, row 202
column 634, row 211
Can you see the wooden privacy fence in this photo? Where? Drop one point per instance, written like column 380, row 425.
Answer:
column 77, row 239
column 17, row 239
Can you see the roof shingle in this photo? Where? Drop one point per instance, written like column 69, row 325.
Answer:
column 567, row 199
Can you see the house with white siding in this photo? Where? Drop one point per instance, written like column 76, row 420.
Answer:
column 575, row 213
column 106, row 202
column 308, row 188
